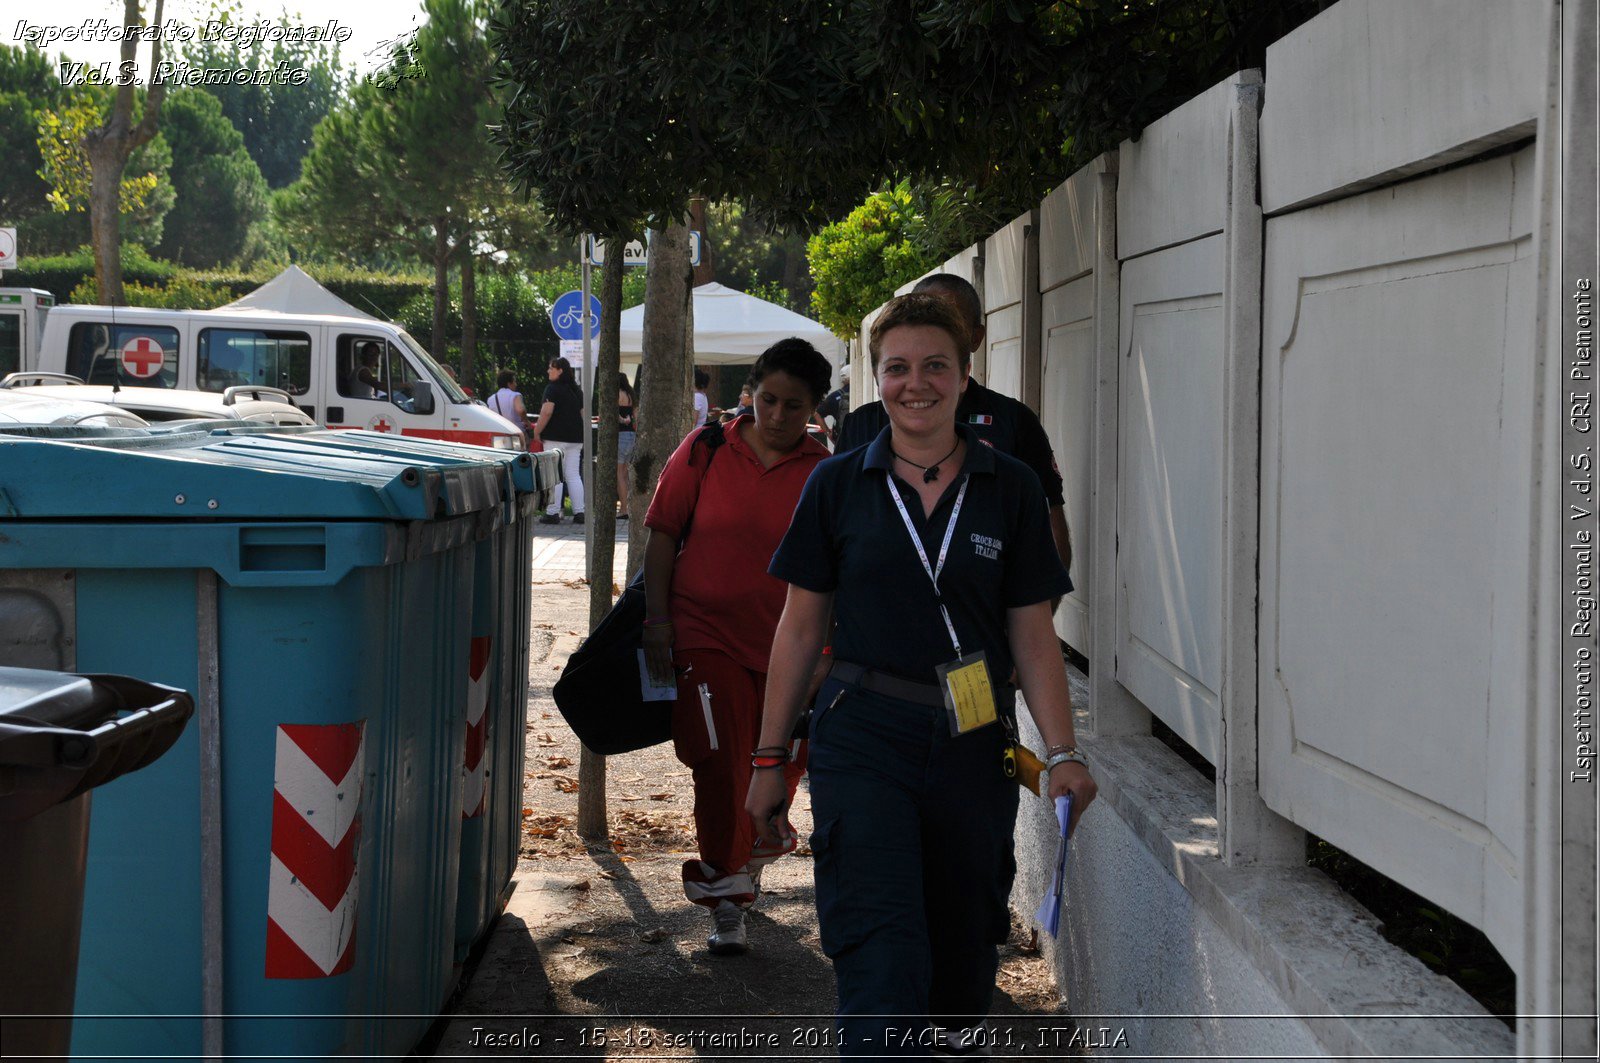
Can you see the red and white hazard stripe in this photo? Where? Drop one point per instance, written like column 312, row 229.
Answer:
column 472, row 793
column 316, row 827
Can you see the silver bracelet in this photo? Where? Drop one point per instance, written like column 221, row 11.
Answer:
column 1066, row 756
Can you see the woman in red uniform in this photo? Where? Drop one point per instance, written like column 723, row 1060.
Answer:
column 718, row 514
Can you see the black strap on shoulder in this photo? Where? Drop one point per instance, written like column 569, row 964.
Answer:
column 711, row 437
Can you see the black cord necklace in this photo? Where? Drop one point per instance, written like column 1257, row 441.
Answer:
column 930, row 473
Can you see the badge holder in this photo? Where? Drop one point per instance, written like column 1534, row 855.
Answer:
column 968, row 693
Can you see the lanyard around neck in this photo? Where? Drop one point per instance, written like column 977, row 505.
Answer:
column 944, row 548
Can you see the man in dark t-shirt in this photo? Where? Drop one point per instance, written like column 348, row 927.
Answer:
column 999, row 420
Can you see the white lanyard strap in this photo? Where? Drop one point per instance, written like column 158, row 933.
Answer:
column 944, row 548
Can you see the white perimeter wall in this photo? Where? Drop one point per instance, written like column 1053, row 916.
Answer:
column 1288, row 347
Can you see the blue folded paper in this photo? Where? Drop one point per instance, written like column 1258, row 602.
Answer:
column 1049, row 913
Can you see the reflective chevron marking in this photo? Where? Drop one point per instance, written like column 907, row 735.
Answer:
column 472, row 794
column 312, row 886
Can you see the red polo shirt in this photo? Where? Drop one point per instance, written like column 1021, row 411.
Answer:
column 722, row 597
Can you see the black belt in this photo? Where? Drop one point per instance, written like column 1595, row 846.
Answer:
column 891, row 686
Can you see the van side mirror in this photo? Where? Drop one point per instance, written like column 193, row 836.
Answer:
column 422, row 396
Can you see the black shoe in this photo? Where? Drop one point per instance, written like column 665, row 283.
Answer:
column 577, row 518
column 550, row 518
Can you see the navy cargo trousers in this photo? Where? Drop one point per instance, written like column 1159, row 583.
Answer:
column 914, row 864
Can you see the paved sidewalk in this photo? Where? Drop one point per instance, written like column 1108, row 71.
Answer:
column 558, row 551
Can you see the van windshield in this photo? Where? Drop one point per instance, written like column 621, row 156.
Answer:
column 447, row 383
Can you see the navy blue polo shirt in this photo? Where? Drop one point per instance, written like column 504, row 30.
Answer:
column 847, row 538
column 1000, row 420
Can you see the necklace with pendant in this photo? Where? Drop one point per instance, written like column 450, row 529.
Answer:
column 930, row 473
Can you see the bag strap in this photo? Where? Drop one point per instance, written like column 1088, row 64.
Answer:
column 711, row 438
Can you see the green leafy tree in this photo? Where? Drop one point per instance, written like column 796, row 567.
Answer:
column 857, row 263
column 276, row 119
column 109, row 147
column 145, row 195
column 408, row 167
column 29, row 87
column 220, row 193
column 623, row 112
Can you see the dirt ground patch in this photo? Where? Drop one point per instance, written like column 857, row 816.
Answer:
column 600, row 955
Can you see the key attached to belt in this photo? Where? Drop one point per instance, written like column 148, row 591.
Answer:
column 1019, row 762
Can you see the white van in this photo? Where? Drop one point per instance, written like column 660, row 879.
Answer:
column 344, row 372
column 22, row 316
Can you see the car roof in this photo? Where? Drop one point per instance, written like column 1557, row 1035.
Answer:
column 167, row 403
column 31, row 407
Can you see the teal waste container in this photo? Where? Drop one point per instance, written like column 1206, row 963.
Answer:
column 318, row 592
column 60, row 737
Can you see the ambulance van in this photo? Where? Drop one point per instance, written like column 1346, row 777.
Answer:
column 344, row 372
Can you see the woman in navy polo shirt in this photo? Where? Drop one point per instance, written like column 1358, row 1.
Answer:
column 933, row 554
column 711, row 608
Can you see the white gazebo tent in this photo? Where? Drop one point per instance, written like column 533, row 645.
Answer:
column 732, row 328
column 294, row 291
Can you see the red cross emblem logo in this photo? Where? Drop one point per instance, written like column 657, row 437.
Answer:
column 381, row 424
column 142, row 357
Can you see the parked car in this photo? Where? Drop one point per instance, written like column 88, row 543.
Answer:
column 29, row 407
column 247, row 402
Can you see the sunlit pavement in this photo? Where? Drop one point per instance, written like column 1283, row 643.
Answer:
column 558, row 551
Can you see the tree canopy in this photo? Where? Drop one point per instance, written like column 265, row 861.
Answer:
column 220, row 193
column 276, row 120
column 799, row 108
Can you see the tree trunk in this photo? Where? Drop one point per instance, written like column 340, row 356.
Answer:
column 602, row 503
column 105, row 217
column 108, row 147
column 666, row 374
column 441, row 287
column 469, row 321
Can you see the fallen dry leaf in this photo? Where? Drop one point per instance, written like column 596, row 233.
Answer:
column 558, row 762
column 667, row 796
column 566, row 784
column 653, row 935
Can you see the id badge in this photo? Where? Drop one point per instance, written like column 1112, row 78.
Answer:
column 968, row 694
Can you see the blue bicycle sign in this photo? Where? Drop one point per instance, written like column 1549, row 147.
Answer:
column 566, row 315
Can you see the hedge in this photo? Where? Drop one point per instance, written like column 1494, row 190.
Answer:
column 71, row 277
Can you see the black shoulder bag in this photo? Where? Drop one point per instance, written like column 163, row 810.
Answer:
column 598, row 692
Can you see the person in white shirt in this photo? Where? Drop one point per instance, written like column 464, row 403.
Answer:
column 702, row 405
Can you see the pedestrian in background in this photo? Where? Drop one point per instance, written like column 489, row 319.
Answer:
column 561, row 423
column 627, row 435
column 507, row 401
column 702, row 404
column 933, row 553
column 711, row 609
column 999, row 420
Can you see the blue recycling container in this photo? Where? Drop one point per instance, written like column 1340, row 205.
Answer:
column 322, row 594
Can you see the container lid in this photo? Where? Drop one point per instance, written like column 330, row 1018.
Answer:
column 63, row 734
column 246, row 473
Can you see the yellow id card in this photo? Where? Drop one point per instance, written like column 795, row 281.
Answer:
column 968, row 694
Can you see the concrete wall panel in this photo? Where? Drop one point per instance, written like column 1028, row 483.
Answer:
column 1396, row 568
column 1067, row 232
column 1170, row 484
column 1372, row 90
column 1068, row 415
column 1002, row 266
column 1155, row 206
column 1004, row 370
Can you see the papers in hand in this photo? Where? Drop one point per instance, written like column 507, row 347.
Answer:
column 1049, row 913
column 650, row 691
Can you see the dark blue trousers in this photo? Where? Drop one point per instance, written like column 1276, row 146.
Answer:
column 914, row 864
